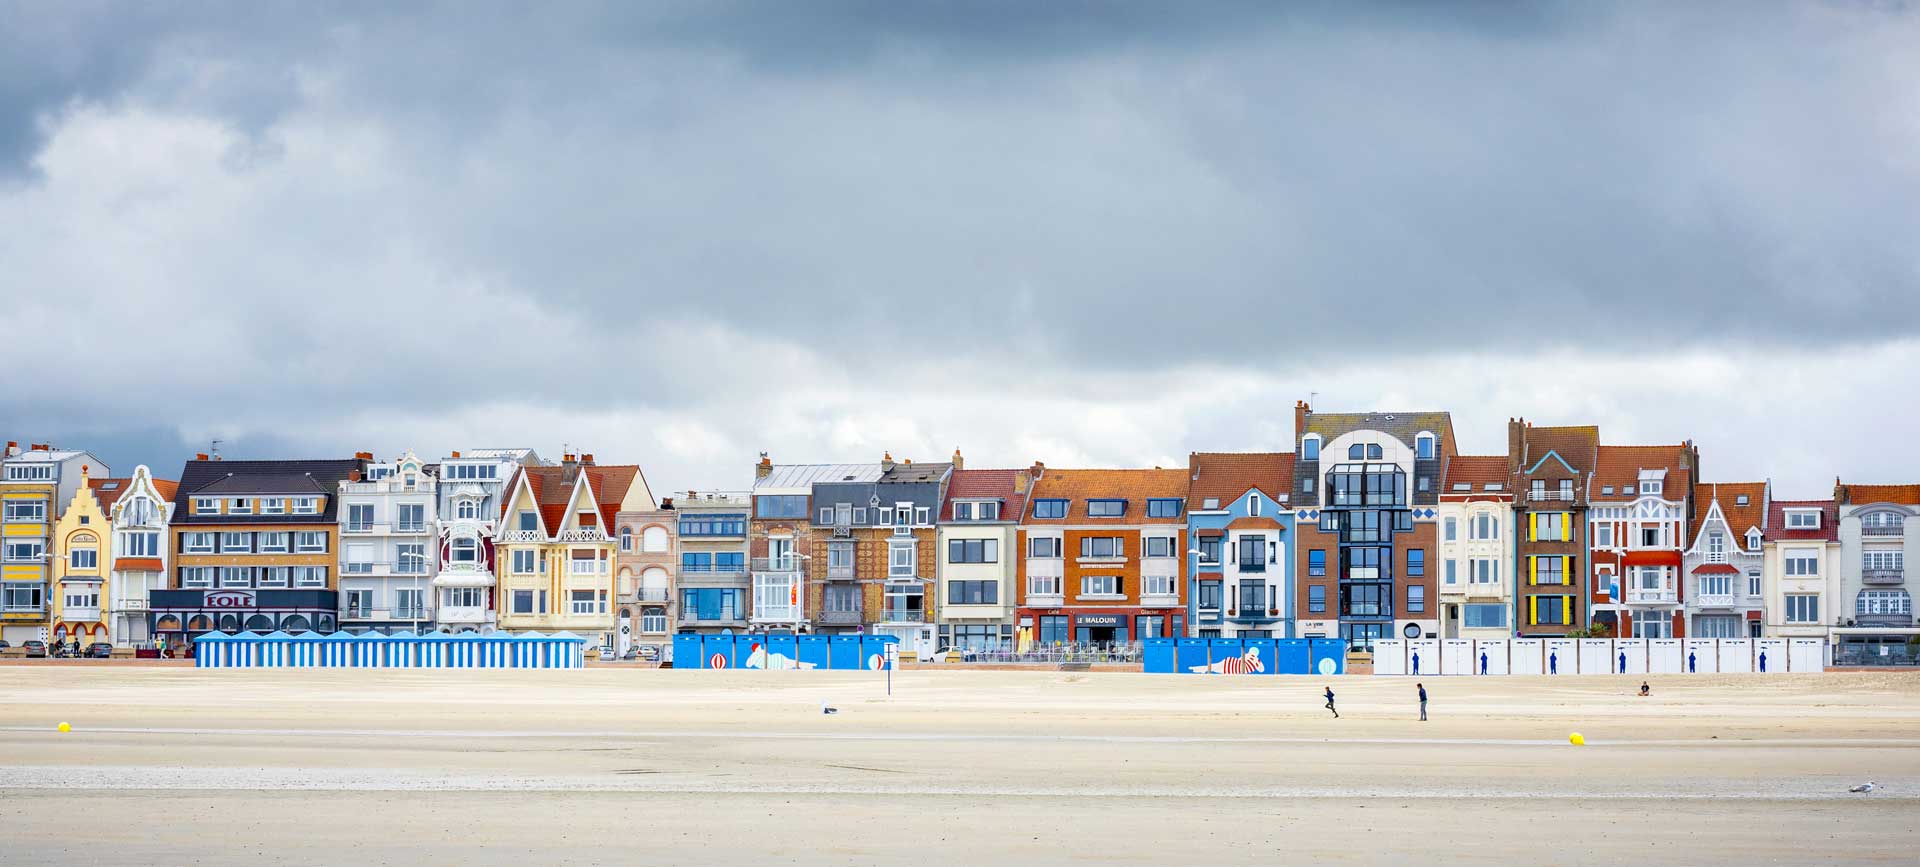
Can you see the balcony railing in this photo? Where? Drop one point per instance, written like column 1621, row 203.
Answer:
column 1717, row 600
column 776, row 564
column 839, row 573
column 1883, row 576
column 463, row 614
column 355, row 612
column 1639, row 596
column 1881, row 530
column 652, row 594
column 776, row 613
column 839, row 617
column 712, row 569
column 385, row 567
column 1550, row 496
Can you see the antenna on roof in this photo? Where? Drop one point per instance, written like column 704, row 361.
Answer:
column 214, row 451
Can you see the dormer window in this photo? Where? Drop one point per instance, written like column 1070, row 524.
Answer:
column 375, row 474
column 1169, row 507
column 976, row 510
column 206, row 506
column 1651, row 487
column 467, row 510
column 1803, row 519
column 1740, row 500
column 306, row 505
column 1310, row 447
column 1753, row 540
column 1423, row 446
column 1106, row 508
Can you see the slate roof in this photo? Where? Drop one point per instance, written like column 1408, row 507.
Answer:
column 1227, row 475
column 986, row 485
column 905, row 473
column 262, row 478
column 1403, row 426
column 1906, row 495
column 1739, row 518
column 1776, row 529
column 1134, row 486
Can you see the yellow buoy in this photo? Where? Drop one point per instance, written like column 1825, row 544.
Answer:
column 1576, row 740
column 64, row 728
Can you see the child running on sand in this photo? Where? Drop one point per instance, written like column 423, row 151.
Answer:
column 1336, row 712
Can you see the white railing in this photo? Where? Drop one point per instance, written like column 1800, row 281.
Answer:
column 464, row 614
column 583, row 535
column 1716, row 600
column 1550, row 496
column 1641, row 596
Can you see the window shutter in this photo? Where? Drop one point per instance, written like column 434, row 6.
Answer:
column 1566, row 610
column 1533, row 526
column 1533, row 610
column 1566, row 526
column 1533, row 571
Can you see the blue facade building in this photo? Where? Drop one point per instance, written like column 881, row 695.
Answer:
column 1241, row 530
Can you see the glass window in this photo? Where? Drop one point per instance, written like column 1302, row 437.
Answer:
column 1157, row 546
column 1357, row 452
column 1253, row 554
column 1483, row 616
column 1049, row 508
column 713, row 525
column 1316, row 598
column 1044, row 546
column 1317, row 562
column 1416, row 598
column 1310, row 448
column 1106, row 508
column 1209, row 547
column 973, row 550
column 1803, row 608
column 973, row 592
column 1102, row 546
column 1416, row 561
column 1163, row 508
column 1209, row 595
column 1423, row 447
column 792, row 506
column 1451, row 528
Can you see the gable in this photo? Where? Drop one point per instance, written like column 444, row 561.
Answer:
column 1551, row 455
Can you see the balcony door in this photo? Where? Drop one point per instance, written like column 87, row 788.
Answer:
column 780, row 555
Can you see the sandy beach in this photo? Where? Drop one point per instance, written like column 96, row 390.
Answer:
column 604, row 765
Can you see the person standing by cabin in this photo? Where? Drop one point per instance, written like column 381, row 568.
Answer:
column 1423, row 700
column 1336, row 712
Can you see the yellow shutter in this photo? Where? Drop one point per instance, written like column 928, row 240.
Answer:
column 1533, row 570
column 1533, row 526
column 1566, row 571
column 1566, row 610
column 1533, row 610
column 1566, row 526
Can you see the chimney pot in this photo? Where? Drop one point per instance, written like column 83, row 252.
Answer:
column 200, row 456
column 586, row 459
column 456, row 454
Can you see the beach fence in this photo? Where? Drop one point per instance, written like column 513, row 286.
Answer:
column 398, row 650
column 1566, row 656
column 1243, row 655
column 784, row 651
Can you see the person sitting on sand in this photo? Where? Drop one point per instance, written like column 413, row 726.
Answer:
column 1645, row 690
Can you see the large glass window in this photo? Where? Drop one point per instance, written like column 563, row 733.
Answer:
column 1102, row 546
column 713, row 525
column 1317, row 562
column 792, row 506
column 1316, row 598
column 1803, row 608
column 1209, row 595
column 1366, row 600
column 1366, row 564
column 1892, row 602
column 1053, row 629
column 1253, row 554
column 1209, row 547
column 1106, row 508
column 1253, row 597
column 1367, row 485
column 973, row 592
column 1483, row 616
column 973, row 550
column 1163, row 508
column 1049, row 508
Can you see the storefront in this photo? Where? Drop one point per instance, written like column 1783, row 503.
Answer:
column 1098, row 628
column 180, row 615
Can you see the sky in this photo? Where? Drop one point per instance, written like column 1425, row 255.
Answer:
column 1089, row 234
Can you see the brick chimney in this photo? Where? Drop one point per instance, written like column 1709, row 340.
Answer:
column 586, row 460
column 456, row 454
column 200, row 456
column 886, row 462
column 1516, row 441
column 1037, row 470
column 353, row 475
column 959, row 463
column 764, row 468
column 365, row 456
column 1021, row 478
column 1300, row 412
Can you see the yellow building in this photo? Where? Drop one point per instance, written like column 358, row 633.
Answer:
column 35, row 484
column 82, row 558
column 553, row 552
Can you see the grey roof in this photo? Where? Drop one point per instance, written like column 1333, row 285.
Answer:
column 262, row 478
column 902, row 473
column 263, row 483
column 799, row 478
column 1401, row 425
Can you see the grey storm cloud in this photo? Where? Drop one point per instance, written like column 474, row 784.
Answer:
column 348, row 195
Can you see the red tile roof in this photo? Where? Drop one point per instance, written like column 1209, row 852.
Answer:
column 1739, row 518
column 1254, row 524
column 552, row 489
column 1829, row 530
column 1475, row 471
column 1907, row 495
column 1134, row 486
column 1716, row 569
column 1227, row 475
column 1620, row 466
column 986, row 485
column 108, row 491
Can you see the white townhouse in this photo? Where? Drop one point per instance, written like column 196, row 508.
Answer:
column 387, row 529
column 468, row 502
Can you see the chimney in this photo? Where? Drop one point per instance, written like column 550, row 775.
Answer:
column 365, row 456
column 200, row 457
column 41, row 447
column 456, row 454
column 1516, row 437
column 1037, row 470
column 666, row 503
column 566, row 458
column 959, row 463
column 886, row 462
column 1020, row 480
column 1300, row 413
column 764, row 468
column 586, row 460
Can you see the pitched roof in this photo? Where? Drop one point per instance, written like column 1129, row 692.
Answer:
column 1476, row 472
column 986, row 485
column 1227, row 475
column 1620, row 466
column 552, row 489
column 1134, row 486
column 1403, row 426
column 1829, row 530
column 1739, row 518
column 1906, row 495
column 267, row 478
column 1577, row 445
column 107, row 491
column 909, row 473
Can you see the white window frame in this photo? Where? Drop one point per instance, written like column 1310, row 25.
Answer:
column 906, row 566
column 198, row 542
column 1099, row 586
column 1803, row 519
column 310, row 542
column 273, row 541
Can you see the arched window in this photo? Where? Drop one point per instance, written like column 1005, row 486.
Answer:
column 653, row 540
column 295, row 623
column 467, row 510
column 626, row 538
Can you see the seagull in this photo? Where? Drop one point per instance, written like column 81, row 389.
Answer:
column 1863, row 789
column 830, row 710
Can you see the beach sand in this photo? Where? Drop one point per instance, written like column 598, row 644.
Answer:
column 615, row 765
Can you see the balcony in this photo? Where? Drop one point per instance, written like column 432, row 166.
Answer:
column 652, row 594
column 1489, row 590
column 1159, row 600
column 355, row 612
column 1045, row 595
column 776, row 614
column 840, row 573
column 1717, row 600
column 584, row 534
column 1642, row 596
column 520, row 536
column 127, row 605
column 464, row 614
column 776, row 564
column 409, row 568
column 711, row 570
column 1883, row 577
column 904, row 615
column 1550, row 496
column 839, row 617
column 1881, row 530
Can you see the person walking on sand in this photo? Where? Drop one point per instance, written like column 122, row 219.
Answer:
column 1423, row 700
column 1336, row 711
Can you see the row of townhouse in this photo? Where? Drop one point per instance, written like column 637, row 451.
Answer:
column 1374, row 525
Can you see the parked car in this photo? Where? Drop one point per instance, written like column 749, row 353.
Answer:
column 4, row 644
column 647, row 652
column 99, row 650
column 35, row 648
column 606, row 653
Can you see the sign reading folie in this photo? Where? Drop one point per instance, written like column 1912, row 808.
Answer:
column 230, row 599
